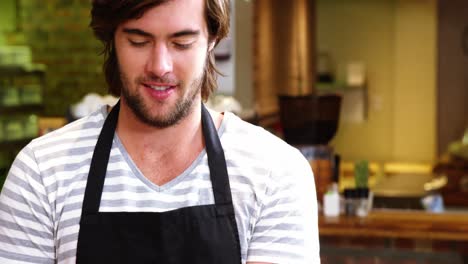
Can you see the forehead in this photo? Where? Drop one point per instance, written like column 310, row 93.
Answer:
column 170, row 17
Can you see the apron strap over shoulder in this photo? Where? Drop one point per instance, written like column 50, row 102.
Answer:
column 216, row 161
column 99, row 161
column 97, row 173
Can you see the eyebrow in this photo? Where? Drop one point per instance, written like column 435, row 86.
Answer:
column 134, row 31
column 187, row 32
column 182, row 33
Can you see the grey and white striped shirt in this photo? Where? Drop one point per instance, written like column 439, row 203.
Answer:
column 272, row 186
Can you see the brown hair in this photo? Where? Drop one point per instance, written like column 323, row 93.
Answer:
column 106, row 15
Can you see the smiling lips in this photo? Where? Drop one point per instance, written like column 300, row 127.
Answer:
column 159, row 88
column 160, row 91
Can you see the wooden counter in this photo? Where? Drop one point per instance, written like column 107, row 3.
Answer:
column 398, row 224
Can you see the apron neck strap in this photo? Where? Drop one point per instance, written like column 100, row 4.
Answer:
column 216, row 161
column 98, row 168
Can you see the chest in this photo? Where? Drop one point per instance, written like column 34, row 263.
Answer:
column 162, row 169
column 125, row 190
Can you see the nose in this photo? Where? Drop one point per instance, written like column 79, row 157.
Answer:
column 160, row 61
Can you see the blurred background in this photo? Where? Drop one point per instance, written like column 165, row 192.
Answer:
column 379, row 85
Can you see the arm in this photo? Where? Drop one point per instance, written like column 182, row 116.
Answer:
column 26, row 225
column 286, row 230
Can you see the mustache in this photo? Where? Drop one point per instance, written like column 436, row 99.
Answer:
column 168, row 80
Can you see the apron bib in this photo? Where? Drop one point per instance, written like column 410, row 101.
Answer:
column 198, row 235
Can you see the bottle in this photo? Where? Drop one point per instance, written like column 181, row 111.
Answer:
column 331, row 201
column 350, row 202
column 362, row 209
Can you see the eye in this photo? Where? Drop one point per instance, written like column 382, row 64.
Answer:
column 137, row 43
column 183, row 46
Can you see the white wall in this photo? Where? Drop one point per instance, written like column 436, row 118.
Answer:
column 238, row 81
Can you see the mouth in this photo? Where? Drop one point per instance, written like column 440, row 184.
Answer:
column 159, row 87
column 160, row 91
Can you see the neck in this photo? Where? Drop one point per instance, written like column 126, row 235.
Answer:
column 140, row 138
column 162, row 153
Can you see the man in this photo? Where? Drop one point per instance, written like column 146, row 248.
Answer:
column 159, row 179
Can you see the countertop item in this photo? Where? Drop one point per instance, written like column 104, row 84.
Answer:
column 309, row 119
column 455, row 192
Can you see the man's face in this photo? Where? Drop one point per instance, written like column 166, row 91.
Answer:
column 161, row 60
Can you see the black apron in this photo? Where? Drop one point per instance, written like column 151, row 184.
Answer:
column 199, row 234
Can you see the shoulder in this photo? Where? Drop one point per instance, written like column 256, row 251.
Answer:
column 262, row 157
column 283, row 193
column 74, row 140
column 80, row 130
column 255, row 141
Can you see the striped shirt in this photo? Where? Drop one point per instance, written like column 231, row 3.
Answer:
column 271, row 182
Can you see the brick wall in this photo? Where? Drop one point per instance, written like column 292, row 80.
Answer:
column 57, row 32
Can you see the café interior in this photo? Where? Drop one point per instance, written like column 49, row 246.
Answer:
column 373, row 93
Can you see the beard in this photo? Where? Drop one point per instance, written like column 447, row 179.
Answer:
column 182, row 108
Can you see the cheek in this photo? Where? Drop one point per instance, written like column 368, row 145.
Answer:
column 130, row 63
column 190, row 66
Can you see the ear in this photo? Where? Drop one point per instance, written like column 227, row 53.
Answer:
column 211, row 45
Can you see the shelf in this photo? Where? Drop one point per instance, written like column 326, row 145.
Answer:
column 354, row 104
column 5, row 145
column 9, row 70
column 19, row 109
column 336, row 88
column 23, row 78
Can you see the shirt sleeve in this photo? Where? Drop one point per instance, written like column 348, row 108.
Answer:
column 26, row 225
column 286, row 230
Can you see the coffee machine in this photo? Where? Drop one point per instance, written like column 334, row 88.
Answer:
column 309, row 123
